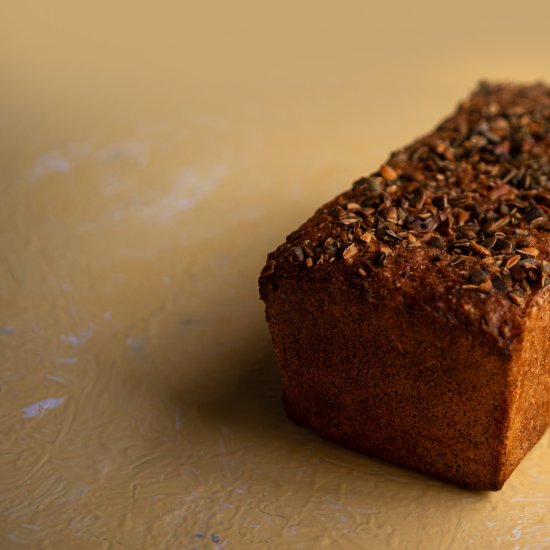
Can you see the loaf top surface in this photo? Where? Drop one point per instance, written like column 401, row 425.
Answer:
column 456, row 223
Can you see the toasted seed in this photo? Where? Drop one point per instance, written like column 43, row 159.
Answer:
column 498, row 224
column 502, row 244
column 388, row 173
column 511, row 262
column 499, row 191
column 533, row 213
column 418, row 199
column 529, row 251
column 462, row 216
column 349, row 220
column 391, row 214
column 480, row 249
column 490, row 242
column 380, row 259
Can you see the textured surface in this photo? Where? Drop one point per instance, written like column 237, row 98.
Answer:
column 145, row 171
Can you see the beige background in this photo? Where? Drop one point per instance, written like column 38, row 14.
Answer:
column 150, row 156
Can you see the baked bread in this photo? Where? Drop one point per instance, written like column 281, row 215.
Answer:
column 410, row 315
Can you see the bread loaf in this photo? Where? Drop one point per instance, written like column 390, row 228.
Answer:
column 410, row 315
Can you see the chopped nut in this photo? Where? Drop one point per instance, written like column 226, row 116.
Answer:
column 349, row 253
column 298, row 253
column 366, row 237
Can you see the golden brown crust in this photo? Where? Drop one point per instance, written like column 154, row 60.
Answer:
column 457, row 221
column 410, row 314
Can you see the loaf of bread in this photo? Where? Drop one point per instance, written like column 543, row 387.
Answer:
column 410, row 315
